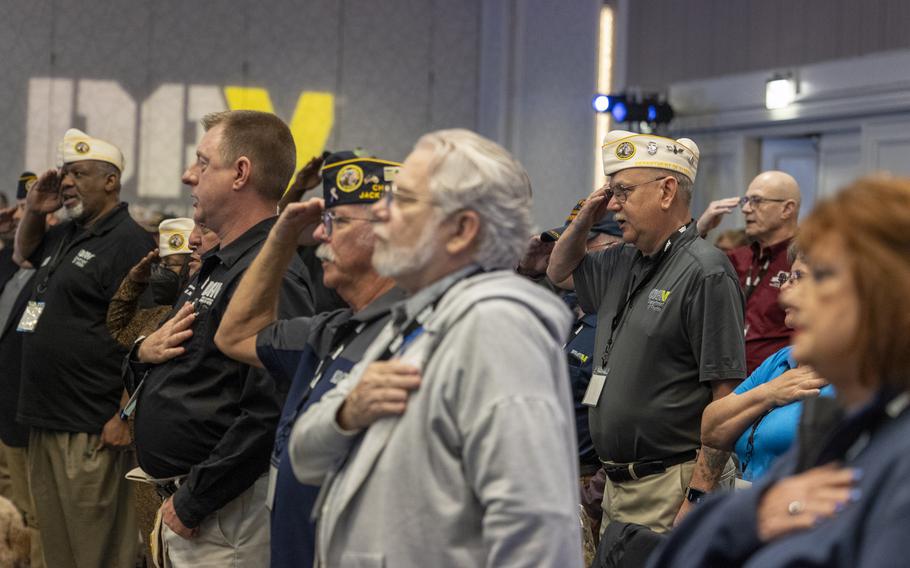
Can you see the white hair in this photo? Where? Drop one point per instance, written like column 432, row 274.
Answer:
column 468, row 171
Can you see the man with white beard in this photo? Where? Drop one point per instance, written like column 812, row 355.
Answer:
column 312, row 353
column 71, row 393
column 452, row 443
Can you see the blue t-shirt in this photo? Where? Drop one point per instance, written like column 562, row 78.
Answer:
column 776, row 431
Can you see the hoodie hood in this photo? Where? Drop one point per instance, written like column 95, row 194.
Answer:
column 546, row 306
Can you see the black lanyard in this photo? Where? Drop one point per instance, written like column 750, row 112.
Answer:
column 66, row 244
column 752, row 284
column 632, row 290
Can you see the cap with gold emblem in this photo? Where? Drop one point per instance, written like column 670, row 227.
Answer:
column 623, row 150
column 350, row 177
column 174, row 236
column 78, row 146
column 26, row 181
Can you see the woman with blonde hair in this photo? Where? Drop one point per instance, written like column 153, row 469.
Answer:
column 842, row 498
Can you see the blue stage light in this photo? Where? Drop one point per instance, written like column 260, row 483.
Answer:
column 601, row 103
column 652, row 113
column 620, row 111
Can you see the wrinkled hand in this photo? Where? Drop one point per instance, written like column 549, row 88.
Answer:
column 796, row 384
column 713, row 215
column 115, row 434
column 7, row 224
column 141, row 273
column 165, row 343
column 44, row 197
column 383, row 391
column 170, row 518
column 307, row 178
column 536, row 258
column 297, row 222
column 814, row 495
column 594, row 209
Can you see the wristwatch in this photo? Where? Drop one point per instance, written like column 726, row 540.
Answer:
column 695, row 495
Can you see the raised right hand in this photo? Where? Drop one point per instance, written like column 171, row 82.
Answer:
column 297, row 222
column 713, row 215
column 594, row 209
column 141, row 273
column 44, row 197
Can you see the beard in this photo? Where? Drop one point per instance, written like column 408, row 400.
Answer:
column 75, row 212
column 393, row 261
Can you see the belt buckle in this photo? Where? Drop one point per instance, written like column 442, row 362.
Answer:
column 165, row 490
column 631, row 468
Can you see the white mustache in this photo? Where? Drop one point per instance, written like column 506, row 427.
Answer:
column 324, row 252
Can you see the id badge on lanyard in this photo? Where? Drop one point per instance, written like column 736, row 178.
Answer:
column 30, row 317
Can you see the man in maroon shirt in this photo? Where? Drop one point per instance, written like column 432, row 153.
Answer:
column 771, row 209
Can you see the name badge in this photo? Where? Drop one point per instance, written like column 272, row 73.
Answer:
column 273, row 480
column 595, row 388
column 30, row 317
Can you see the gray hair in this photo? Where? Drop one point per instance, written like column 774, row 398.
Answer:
column 682, row 182
column 468, row 171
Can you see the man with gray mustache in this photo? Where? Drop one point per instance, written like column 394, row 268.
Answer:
column 313, row 353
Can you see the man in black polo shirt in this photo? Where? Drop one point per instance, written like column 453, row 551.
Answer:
column 71, row 393
column 669, row 330
column 205, row 424
column 313, row 352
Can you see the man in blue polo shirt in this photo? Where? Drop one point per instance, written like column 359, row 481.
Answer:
column 313, row 353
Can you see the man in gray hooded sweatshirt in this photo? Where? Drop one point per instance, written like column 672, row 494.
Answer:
column 452, row 443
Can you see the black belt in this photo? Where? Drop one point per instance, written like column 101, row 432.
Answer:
column 638, row 470
column 167, row 488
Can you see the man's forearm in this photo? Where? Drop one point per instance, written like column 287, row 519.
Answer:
column 29, row 235
column 725, row 419
column 709, row 467
column 569, row 251
column 254, row 305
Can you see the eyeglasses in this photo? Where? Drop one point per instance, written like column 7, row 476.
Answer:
column 756, row 200
column 330, row 218
column 394, row 195
column 793, row 277
column 621, row 192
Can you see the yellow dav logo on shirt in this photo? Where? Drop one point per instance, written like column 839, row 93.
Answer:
column 657, row 299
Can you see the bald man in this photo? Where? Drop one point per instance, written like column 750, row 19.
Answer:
column 771, row 210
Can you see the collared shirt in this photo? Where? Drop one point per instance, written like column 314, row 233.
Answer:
column 206, row 415
column 331, row 344
column 70, row 363
column 680, row 330
column 765, row 329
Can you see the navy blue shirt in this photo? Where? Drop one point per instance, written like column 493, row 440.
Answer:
column 315, row 354
column 580, row 356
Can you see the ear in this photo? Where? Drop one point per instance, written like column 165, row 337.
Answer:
column 790, row 210
column 669, row 189
column 465, row 230
column 243, row 168
column 110, row 183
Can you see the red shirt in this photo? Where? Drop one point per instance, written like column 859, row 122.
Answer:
column 765, row 329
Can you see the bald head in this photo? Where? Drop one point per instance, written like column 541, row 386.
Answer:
column 775, row 216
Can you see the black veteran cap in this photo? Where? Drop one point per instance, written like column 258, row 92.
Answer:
column 25, row 183
column 606, row 225
column 351, row 178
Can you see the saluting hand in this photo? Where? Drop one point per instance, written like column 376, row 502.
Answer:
column 142, row 271
column 165, row 343
column 6, row 219
column 297, row 223
column 536, row 258
column 713, row 215
column 44, row 197
column 382, row 391
column 594, row 209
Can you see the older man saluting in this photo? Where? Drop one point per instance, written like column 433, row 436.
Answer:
column 669, row 329
column 455, row 433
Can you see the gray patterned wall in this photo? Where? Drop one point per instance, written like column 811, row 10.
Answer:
column 140, row 73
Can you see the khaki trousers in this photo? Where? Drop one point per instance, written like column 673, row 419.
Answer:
column 235, row 536
column 17, row 461
column 655, row 500
column 83, row 503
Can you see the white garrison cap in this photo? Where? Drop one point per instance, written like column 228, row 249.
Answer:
column 174, row 236
column 623, row 150
column 78, row 146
